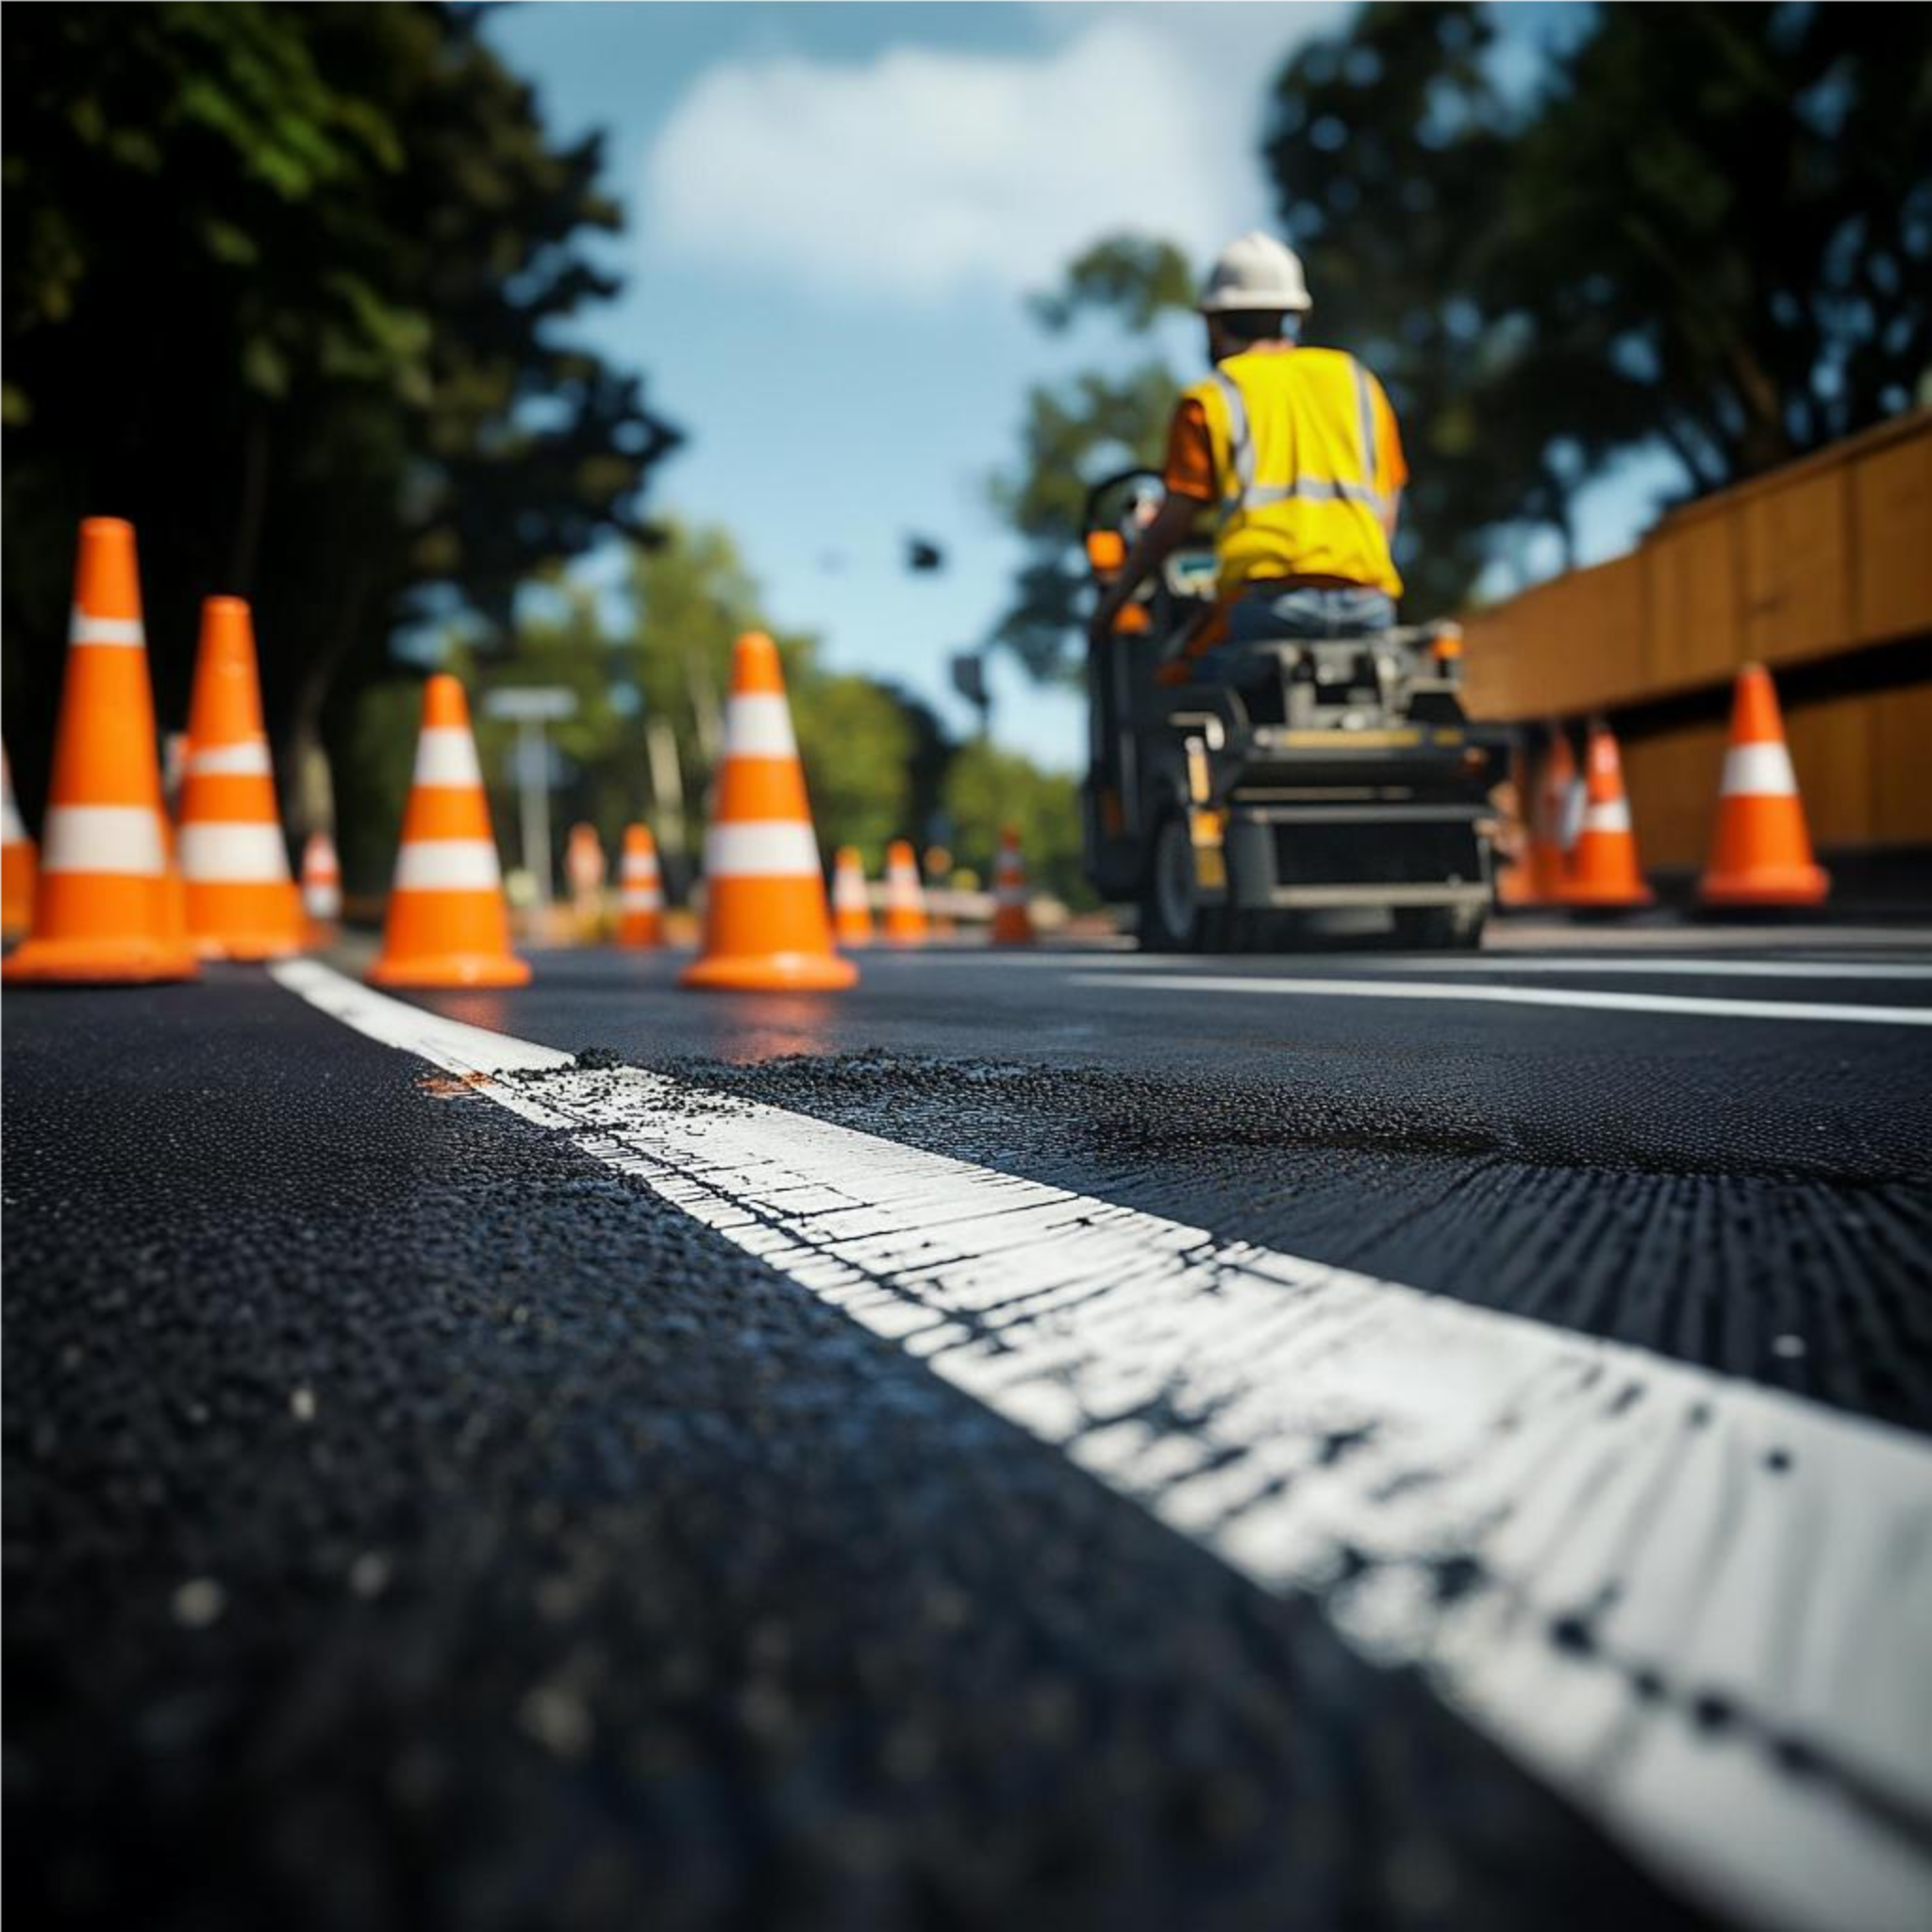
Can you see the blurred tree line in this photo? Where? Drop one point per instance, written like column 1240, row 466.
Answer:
column 649, row 663
column 1700, row 229
column 289, row 287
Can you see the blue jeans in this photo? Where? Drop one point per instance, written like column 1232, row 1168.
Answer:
column 1265, row 617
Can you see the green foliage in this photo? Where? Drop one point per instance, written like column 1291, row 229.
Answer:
column 288, row 286
column 659, row 655
column 1710, row 228
column 1078, row 431
column 1137, row 278
column 988, row 788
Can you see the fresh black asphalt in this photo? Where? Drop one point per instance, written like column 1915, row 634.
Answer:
column 410, row 1522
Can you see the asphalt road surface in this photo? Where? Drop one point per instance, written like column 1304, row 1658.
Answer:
column 1060, row 1438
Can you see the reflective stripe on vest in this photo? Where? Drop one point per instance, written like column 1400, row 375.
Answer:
column 1248, row 495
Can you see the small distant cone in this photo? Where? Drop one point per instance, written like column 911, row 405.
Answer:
column 1549, row 810
column 322, row 888
column 640, row 891
column 447, row 923
column 906, row 924
column 102, row 907
column 851, row 908
column 766, row 924
column 1762, row 852
column 1013, row 924
column 17, row 866
column 241, row 902
column 1604, row 872
column 586, row 868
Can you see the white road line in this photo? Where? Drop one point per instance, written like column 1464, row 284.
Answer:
column 1579, row 997
column 1582, row 964
column 1654, row 1586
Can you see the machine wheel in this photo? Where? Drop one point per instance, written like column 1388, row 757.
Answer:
column 1173, row 919
column 1439, row 929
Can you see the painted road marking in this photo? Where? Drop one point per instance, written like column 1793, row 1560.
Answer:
column 1701, row 1608
column 1582, row 964
column 1397, row 963
column 1521, row 996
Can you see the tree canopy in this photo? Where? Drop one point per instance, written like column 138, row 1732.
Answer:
column 1700, row 229
column 289, row 287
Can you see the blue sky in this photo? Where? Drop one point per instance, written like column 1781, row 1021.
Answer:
column 834, row 213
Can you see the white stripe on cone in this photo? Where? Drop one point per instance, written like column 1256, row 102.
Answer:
column 126, row 632
column 1613, row 816
column 321, row 899
column 11, row 831
column 1759, row 771
column 105, row 838
column 447, row 865
column 762, row 849
column 233, row 854
column 248, row 759
column 640, row 899
column 848, row 890
column 447, row 756
column 758, row 726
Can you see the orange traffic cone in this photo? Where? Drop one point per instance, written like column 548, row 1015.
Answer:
column 322, row 888
column 1548, row 834
column 17, row 867
column 1603, row 874
column 640, row 891
column 447, row 923
column 102, row 908
column 1762, row 852
column 1013, row 924
column 905, row 923
column 766, row 925
column 851, row 909
column 241, row 902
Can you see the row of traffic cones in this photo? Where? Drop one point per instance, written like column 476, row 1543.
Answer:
column 116, row 895
column 1581, row 850
column 119, row 898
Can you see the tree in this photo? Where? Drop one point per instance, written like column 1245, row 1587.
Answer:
column 988, row 788
column 651, row 670
column 1708, row 228
column 1077, row 432
column 288, row 286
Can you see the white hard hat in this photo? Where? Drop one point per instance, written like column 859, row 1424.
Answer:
column 1256, row 272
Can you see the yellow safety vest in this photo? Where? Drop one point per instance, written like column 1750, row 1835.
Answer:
column 1297, row 458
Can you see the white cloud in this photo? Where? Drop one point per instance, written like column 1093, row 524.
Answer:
column 920, row 174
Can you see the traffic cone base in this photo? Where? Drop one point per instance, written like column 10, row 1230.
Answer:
column 1012, row 920
column 322, row 888
column 447, row 924
column 905, row 921
column 639, row 892
column 241, row 899
column 1762, row 855
column 767, row 927
column 1604, row 872
column 107, row 901
column 850, row 907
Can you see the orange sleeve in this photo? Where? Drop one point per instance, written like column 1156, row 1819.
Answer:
column 1391, row 465
column 1190, row 467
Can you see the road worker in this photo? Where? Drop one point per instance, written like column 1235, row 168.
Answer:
column 1295, row 452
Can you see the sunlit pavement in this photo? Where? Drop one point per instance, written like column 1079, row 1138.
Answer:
column 1348, row 1440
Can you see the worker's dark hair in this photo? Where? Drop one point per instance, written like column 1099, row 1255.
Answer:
column 1257, row 325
